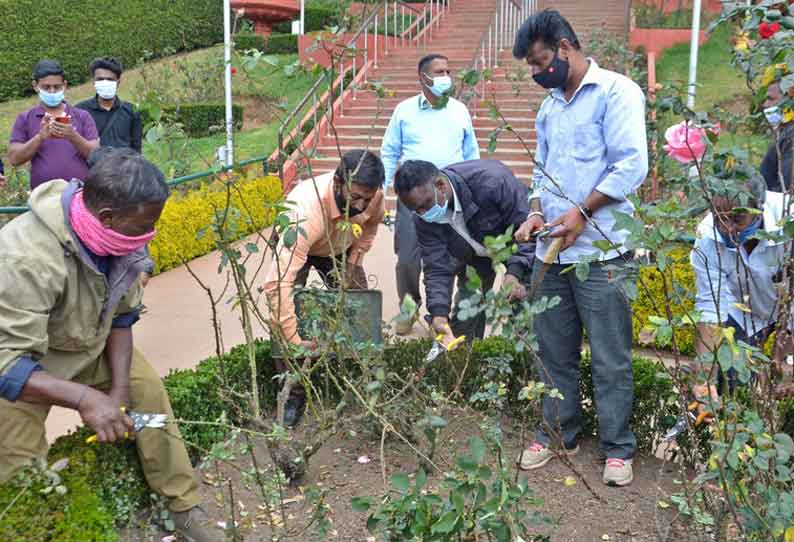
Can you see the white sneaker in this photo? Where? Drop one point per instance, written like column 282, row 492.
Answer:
column 539, row 454
column 618, row 472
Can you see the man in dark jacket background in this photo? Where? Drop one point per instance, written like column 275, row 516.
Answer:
column 117, row 121
column 455, row 208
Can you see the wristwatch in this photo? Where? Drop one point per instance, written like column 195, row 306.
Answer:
column 586, row 211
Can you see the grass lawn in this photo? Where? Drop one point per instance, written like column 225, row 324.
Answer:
column 199, row 154
column 718, row 81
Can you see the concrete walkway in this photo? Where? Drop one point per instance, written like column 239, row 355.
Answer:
column 176, row 332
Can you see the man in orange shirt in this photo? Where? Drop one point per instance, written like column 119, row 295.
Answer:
column 321, row 207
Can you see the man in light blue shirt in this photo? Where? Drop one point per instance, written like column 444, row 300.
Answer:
column 591, row 143
column 735, row 274
column 434, row 127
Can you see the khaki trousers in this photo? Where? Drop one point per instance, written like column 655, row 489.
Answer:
column 162, row 453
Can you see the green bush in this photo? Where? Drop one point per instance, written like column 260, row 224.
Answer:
column 196, row 394
column 244, row 41
column 281, row 44
column 76, row 32
column 651, row 298
column 201, row 120
column 314, row 19
column 185, row 215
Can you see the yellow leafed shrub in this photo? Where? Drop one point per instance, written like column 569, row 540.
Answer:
column 185, row 215
column 651, row 298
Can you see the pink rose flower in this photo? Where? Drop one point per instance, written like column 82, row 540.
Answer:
column 677, row 137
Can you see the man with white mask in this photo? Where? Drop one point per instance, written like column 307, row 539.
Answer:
column 53, row 136
column 434, row 127
column 117, row 121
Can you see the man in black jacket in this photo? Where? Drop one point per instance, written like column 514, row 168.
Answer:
column 117, row 121
column 455, row 208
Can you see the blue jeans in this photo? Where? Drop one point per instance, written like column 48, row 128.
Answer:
column 600, row 306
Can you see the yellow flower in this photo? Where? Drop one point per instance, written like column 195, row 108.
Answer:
column 771, row 73
column 742, row 42
column 357, row 230
column 788, row 115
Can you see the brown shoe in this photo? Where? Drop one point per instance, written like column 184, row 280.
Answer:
column 194, row 525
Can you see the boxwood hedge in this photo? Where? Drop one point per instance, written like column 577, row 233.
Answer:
column 77, row 31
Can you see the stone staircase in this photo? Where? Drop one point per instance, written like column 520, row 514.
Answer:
column 366, row 116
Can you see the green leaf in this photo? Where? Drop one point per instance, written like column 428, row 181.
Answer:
column 445, row 524
column 582, row 271
column 784, row 446
column 360, row 504
column 421, row 479
column 477, row 448
column 400, row 482
column 436, row 422
column 290, row 237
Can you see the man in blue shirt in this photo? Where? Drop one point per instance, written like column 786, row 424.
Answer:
column 592, row 145
column 434, row 127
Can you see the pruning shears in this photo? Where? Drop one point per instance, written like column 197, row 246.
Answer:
column 139, row 420
column 681, row 422
column 438, row 347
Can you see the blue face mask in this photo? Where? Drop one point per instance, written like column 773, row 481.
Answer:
column 441, row 85
column 744, row 235
column 437, row 212
column 51, row 99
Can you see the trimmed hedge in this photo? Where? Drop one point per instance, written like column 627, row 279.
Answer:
column 281, row 44
column 276, row 44
column 185, row 216
column 244, row 41
column 202, row 120
column 76, row 32
column 314, row 19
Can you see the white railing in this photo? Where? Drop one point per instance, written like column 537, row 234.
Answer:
column 393, row 24
column 500, row 34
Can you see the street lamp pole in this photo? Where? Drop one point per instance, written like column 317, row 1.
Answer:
column 693, row 55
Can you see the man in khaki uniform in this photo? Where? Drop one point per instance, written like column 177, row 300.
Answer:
column 69, row 292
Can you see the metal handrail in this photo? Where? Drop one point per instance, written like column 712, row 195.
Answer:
column 17, row 210
column 505, row 22
column 420, row 28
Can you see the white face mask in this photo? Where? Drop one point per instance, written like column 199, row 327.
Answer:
column 774, row 116
column 106, row 89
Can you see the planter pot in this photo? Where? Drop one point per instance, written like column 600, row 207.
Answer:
column 363, row 314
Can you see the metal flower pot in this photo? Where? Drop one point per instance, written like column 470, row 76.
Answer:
column 317, row 308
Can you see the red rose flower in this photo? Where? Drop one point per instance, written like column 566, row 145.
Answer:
column 767, row 30
column 234, row 70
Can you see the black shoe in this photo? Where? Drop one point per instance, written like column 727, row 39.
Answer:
column 293, row 410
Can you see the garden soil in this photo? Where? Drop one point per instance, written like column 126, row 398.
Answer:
column 631, row 514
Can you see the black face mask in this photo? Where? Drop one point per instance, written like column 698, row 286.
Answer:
column 341, row 204
column 555, row 75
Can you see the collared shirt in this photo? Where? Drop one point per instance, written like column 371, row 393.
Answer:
column 416, row 131
column 595, row 141
column 125, row 130
column 456, row 219
column 729, row 280
column 320, row 218
column 56, row 158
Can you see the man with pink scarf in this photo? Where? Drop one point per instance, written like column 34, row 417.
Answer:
column 69, row 296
